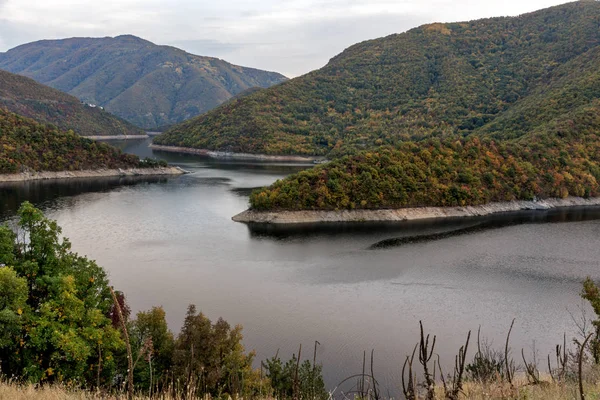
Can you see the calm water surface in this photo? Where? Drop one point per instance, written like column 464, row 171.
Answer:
column 171, row 242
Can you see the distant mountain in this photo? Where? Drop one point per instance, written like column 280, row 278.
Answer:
column 148, row 85
column 498, row 77
column 26, row 145
column 26, row 97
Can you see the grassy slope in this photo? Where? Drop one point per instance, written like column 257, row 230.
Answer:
column 27, row 145
column 148, row 85
column 26, row 97
column 442, row 80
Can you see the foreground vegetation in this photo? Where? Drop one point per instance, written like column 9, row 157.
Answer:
column 549, row 391
column 61, row 323
column 26, row 97
column 65, row 333
column 26, row 145
column 499, row 77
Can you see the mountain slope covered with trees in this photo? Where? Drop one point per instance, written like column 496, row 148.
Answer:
column 26, row 97
column 500, row 77
column 148, row 85
column 561, row 160
column 26, row 145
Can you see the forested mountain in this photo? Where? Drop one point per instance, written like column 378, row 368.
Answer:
column 146, row 84
column 560, row 160
column 500, row 77
column 26, row 145
column 26, row 97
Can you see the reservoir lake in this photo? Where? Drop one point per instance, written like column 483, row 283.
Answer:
column 171, row 242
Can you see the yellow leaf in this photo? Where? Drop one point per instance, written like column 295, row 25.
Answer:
column 19, row 311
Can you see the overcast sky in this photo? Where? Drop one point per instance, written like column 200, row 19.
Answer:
column 288, row 36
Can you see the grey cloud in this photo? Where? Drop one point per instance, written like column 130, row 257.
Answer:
column 213, row 19
column 207, row 47
column 249, row 13
column 12, row 35
column 301, row 48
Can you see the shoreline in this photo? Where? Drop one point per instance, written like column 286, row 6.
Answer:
column 92, row 173
column 117, row 137
column 406, row 214
column 222, row 155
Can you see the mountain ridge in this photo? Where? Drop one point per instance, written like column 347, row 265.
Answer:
column 28, row 98
column 147, row 84
column 436, row 80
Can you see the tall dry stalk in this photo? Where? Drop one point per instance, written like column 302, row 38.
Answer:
column 129, row 356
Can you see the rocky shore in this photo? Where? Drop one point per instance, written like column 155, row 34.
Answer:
column 406, row 214
column 237, row 156
column 30, row 176
column 117, row 137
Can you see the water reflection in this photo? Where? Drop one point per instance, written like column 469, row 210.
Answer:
column 423, row 230
column 44, row 193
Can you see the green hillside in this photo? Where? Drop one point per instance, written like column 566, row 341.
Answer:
column 560, row 160
column 148, row 85
column 26, row 97
column 503, row 77
column 26, row 145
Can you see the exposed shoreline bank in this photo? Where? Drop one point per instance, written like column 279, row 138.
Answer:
column 237, row 156
column 406, row 214
column 94, row 173
column 117, row 137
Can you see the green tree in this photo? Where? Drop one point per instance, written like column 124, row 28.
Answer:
column 591, row 293
column 152, row 343
column 310, row 384
column 65, row 333
column 210, row 358
column 13, row 298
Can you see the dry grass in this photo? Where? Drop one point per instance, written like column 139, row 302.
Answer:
column 545, row 391
column 11, row 391
column 523, row 391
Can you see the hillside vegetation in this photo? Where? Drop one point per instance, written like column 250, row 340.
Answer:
column 562, row 160
column 148, row 85
column 26, row 97
column 26, row 145
column 499, row 77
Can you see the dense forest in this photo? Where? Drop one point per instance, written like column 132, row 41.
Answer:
column 146, row 84
column 26, row 97
column 26, row 145
column 559, row 160
column 499, row 77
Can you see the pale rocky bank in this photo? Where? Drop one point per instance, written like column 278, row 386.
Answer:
column 237, row 156
column 117, row 137
column 407, row 214
column 95, row 173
